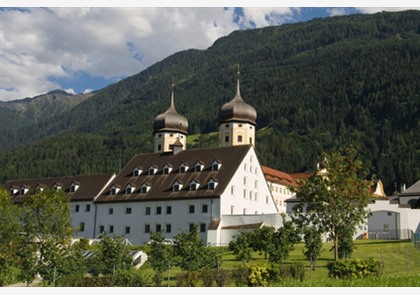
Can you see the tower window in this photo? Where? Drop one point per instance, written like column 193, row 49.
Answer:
column 239, row 138
column 159, row 147
column 227, row 125
column 226, row 138
column 250, row 140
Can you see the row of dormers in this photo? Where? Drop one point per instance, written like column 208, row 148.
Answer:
column 183, row 167
column 176, row 186
column 23, row 189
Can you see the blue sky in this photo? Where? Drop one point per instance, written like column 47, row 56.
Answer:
column 83, row 49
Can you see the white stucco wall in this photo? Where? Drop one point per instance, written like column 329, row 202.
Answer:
column 83, row 216
column 247, row 193
column 179, row 219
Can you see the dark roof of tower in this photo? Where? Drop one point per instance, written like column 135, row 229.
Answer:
column 237, row 110
column 170, row 120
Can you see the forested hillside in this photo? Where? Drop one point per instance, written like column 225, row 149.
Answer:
column 319, row 85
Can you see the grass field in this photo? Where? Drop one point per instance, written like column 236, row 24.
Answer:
column 400, row 260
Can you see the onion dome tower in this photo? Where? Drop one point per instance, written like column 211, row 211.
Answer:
column 168, row 128
column 237, row 121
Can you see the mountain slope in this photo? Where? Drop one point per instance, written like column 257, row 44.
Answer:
column 319, row 85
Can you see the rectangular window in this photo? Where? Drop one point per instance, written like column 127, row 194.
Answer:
column 226, row 138
column 128, row 210
column 232, row 190
column 76, row 208
column 245, row 180
column 147, row 228
column 250, row 140
column 111, row 211
column 191, row 209
column 87, row 207
column 158, row 210
column 148, row 210
column 127, row 229
column 168, row 228
column 158, row 228
column 111, row 229
column 101, row 229
column 168, row 210
column 82, row 226
column 182, row 169
column 256, row 184
column 239, row 138
column 205, row 208
column 202, row 227
column 244, row 193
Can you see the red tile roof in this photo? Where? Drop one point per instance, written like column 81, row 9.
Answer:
column 277, row 176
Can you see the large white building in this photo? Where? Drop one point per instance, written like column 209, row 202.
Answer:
column 220, row 190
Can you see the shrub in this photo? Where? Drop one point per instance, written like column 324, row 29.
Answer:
column 221, row 277
column 187, row 279
column 258, row 276
column 129, row 278
column 208, row 277
column 240, row 276
column 353, row 268
column 278, row 272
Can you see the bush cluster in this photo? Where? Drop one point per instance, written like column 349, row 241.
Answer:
column 353, row 268
column 279, row 272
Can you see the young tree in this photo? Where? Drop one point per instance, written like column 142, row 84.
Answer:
column 191, row 252
column 10, row 230
column 313, row 244
column 240, row 245
column 159, row 256
column 283, row 241
column 47, row 233
column 110, row 254
column 262, row 238
column 334, row 198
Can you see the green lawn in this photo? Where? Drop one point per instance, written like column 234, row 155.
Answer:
column 400, row 259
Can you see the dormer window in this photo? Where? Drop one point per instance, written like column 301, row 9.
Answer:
column 74, row 186
column 211, row 184
column 39, row 187
column 152, row 170
column 167, row 169
column 23, row 190
column 114, row 189
column 137, row 171
column 57, row 186
column 129, row 189
column 194, row 185
column 144, row 188
column 177, row 186
column 13, row 190
column 198, row 166
column 215, row 165
column 183, row 168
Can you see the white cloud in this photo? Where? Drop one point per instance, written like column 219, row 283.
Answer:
column 337, row 11
column 380, row 9
column 70, row 91
column 86, row 91
column 41, row 45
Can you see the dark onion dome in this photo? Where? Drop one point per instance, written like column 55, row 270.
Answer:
column 237, row 110
column 170, row 120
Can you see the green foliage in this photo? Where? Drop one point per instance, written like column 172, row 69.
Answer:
column 159, row 255
column 261, row 239
column 334, row 200
column 111, row 254
column 130, row 278
column 191, row 253
column 313, row 245
column 240, row 245
column 283, row 241
column 282, row 272
column 240, row 275
column 353, row 268
column 47, row 235
column 187, row 279
column 10, row 229
column 258, row 276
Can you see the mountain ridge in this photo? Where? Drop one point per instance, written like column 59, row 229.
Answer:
column 318, row 85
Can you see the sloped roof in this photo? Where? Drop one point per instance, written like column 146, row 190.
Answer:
column 278, row 176
column 89, row 185
column 161, row 184
column 413, row 190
